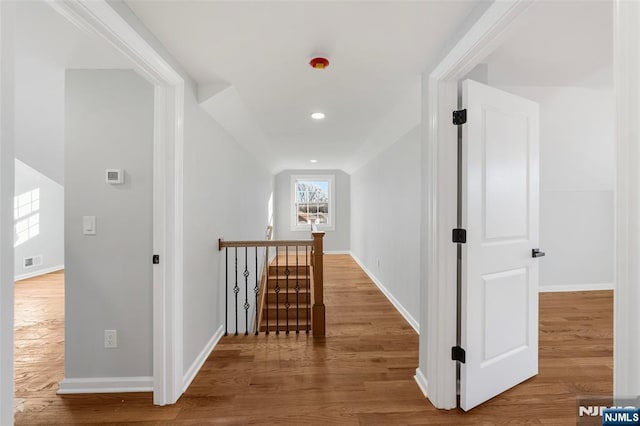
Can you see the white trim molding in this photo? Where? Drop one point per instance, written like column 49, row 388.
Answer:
column 330, row 252
column 556, row 288
column 201, row 358
column 438, row 299
column 626, row 334
column 106, row 385
column 422, row 382
column 98, row 17
column 395, row 302
column 39, row 272
column 7, row 175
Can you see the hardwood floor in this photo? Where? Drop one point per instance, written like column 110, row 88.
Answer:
column 361, row 373
column 39, row 338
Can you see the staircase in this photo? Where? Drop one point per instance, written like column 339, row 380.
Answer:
column 277, row 298
column 287, row 284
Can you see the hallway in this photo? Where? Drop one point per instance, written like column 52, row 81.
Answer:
column 361, row 373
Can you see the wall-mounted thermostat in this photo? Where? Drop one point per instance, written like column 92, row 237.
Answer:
column 115, row 176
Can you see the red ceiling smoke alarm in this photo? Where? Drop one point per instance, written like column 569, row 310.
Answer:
column 319, row 63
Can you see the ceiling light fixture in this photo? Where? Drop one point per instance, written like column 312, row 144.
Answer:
column 313, row 161
column 318, row 115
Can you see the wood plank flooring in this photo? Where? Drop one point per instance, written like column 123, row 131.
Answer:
column 361, row 373
column 39, row 337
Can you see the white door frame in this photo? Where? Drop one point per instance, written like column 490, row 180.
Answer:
column 98, row 17
column 6, row 216
column 626, row 326
column 436, row 374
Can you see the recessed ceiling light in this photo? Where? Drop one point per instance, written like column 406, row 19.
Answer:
column 318, row 115
column 314, row 161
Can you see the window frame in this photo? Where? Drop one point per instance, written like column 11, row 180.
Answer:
column 26, row 225
column 331, row 220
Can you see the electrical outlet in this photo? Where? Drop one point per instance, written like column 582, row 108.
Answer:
column 110, row 338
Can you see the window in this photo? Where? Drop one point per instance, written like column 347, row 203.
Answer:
column 27, row 220
column 312, row 202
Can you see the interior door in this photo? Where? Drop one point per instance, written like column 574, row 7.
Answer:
column 500, row 211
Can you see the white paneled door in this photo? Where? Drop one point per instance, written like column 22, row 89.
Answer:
column 500, row 211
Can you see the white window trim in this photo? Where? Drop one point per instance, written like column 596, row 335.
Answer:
column 331, row 226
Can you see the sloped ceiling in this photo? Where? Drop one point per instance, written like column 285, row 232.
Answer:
column 558, row 43
column 250, row 59
column 46, row 44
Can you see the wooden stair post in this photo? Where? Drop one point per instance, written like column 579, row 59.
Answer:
column 318, row 313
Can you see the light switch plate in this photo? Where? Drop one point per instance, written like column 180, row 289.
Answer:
column 88, row 225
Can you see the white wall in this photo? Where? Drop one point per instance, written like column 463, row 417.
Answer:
column 7, row 19
column 576, row 185
column 226, row 194
column 46, row 43
column 109, row 124
column 336, row 240
column 385, row 210
column 39, row 113
column 228, row 202
column 49, row 243
column 39, row 136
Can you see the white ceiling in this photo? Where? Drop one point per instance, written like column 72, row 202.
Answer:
column 261, row 50
column 250, row 60
column 558, row 43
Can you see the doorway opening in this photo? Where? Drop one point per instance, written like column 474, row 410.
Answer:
column 576, row 173
column 585, row 197
column 80, row 110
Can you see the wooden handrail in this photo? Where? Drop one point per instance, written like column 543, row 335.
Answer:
column 264, row 243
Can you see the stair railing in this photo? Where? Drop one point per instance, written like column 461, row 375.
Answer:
column 243, row 271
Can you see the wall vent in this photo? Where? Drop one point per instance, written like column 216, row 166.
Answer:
column 30, row 262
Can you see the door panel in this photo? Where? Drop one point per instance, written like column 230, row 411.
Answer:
column 506, row 327
column 506, row 201
column 500, row 203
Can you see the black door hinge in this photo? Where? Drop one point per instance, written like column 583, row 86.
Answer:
column 459, row 117
column 459, row 235
column 458, row 354
column 156, row 259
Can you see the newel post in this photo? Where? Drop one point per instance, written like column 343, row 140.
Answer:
column 318, row 316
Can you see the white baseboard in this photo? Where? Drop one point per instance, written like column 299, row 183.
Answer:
column 337, row 252
column 38, row 272
column 407, row 316
column 575, row 287
column 201, row 358
column 106, row 385
column 421, row 381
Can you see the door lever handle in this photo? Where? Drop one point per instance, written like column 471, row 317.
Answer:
column 537, row 253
